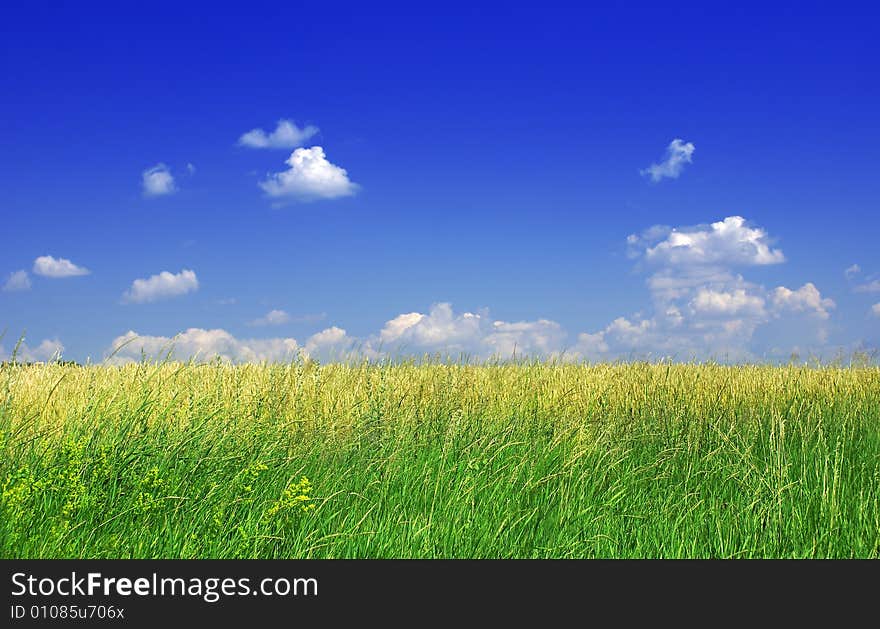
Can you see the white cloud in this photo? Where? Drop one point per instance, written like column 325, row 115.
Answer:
column 285, row 136
column 475, row 334
column 441, row 330
column 805, row 299
column 310, row 177
column 869, row 287
column 273, row 317
column 201, row 345
column 17, row 281
column 334, row 344
column 855, row 269
column 47, row 266
column 161, row 286
column 47, row 350
column 525, row 338
column 730, row 242
column 702, row 308
column 590, row 346
column 678, row 153
column 158, row 181
column 735, row 302
column 876, row 309
column 396, row 327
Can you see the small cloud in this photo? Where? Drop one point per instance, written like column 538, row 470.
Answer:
column 731, row 242
column 47, row 266
column 876, row 309
column 47, row 350
column 855, row 269
column 158, row 181
column 331, row 344
column 227, row 301
column 285, row 136
column 190, row 169
column 273, row 317
column 868, row 287
column 161, row 286
column 17, row 281
column 805, row 299
column 310, row 177
column 678, row 153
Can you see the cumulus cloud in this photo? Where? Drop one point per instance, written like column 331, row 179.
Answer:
column 396, row 327
column 47, row 266
column 805, row 299
column 201, row 345
column 47, row 350
column 17, row 281
column 273, row 317
column 285, row 136
column 735, row 302
column 678, row 153
column 731, row 242
column 158, row 181
column 441, row 330
column 309, row 178
column 876, row 309
column 161, row 286
column 334, row 344
column 702, row 307
column 525, row 338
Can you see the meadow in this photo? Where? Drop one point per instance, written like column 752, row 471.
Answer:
column 301, row 460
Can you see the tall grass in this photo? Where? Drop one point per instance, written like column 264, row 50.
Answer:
column 439, row 460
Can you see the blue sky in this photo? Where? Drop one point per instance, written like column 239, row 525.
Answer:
column 496, row 192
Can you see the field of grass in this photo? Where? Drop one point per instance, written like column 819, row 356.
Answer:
column 439, row 460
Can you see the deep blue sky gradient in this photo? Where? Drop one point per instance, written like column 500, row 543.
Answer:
column 498, row 149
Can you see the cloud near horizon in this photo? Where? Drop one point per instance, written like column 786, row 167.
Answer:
column 47, row 350
column 440, row 331
column 163, row 285
column 701, row 309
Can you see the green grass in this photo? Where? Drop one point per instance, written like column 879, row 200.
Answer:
column 517, row 460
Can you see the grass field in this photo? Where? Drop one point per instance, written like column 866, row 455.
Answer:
column 439, row 460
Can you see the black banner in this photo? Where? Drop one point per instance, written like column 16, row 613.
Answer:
column 135, row 593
